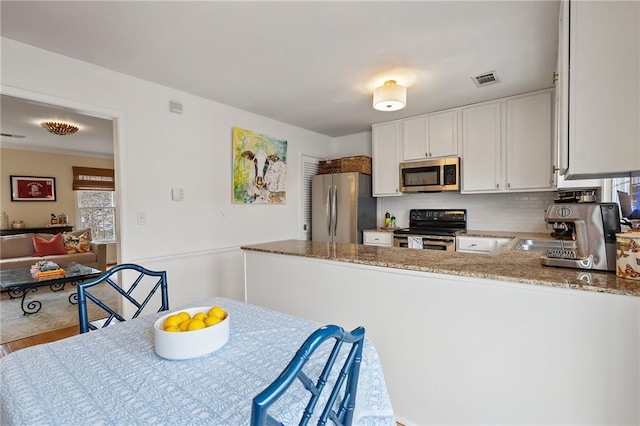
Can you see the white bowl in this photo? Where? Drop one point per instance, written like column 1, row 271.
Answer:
column 189, row 344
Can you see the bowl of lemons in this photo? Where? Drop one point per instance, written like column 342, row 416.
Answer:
column 191, row 333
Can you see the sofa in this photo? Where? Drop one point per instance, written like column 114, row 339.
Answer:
column 17, row 251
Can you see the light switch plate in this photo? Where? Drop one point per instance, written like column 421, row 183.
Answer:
column 177, row 194
column 142, row 218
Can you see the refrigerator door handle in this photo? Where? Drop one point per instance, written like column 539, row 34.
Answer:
column 335, row 210
column 328, row 212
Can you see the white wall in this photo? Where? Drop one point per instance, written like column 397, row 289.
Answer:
column 471, row 351
column 157, row 150
column 350, row 145
column 520, row 212
column 32, row 163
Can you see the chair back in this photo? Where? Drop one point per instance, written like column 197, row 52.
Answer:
column 340, row 403
column 84, row 294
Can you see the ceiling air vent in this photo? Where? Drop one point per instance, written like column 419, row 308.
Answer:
column 485, row 79
column 9, row 135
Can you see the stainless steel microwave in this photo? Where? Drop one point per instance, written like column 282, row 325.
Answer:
column 438, row 174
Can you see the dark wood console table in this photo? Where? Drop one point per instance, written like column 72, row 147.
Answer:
column 42, row 230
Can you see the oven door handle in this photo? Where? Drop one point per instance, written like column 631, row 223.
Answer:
column 438, row 239
column 437, row 242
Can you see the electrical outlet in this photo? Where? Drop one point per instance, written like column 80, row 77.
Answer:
column 177, row 194
column 142, row 218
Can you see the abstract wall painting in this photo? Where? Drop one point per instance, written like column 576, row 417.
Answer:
column 259, row 168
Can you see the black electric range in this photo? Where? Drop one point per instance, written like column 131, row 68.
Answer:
column 432, row 229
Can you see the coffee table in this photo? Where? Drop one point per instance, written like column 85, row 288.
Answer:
column 20, row 282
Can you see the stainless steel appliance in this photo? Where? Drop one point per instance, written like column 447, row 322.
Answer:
column 587, row 232
column 342, row 206
column 577, row 196
column 431, row 229
column 440, row 174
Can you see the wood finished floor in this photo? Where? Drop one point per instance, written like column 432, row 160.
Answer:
column 38, row 339
column 51, row 336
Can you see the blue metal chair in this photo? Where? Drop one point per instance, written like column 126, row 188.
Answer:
column 338, row 410
column 114, row 316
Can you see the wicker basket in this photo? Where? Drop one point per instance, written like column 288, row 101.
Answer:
column 329, row 166
column 360, row 163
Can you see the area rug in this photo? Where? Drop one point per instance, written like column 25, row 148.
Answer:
column 56, row 312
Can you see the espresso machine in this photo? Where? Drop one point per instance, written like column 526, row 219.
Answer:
column 586, row 233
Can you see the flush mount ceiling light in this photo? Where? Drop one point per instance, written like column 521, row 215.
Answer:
column 390, row 96
column 58, row 128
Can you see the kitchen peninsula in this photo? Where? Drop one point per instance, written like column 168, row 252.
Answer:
column 470, row 338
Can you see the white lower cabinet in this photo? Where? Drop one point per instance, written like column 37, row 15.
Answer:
column 377, row 238
column 482, row 245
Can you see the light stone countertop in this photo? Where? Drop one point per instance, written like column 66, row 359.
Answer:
column 505, row 234
column 510, row 265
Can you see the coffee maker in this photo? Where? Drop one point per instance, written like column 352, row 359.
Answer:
column 587, row 235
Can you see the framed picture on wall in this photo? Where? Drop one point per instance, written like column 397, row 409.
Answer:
column 33, row 188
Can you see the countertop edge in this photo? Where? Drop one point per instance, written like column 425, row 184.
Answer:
column 509, row 266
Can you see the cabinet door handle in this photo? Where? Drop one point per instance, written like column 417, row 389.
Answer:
column 497, row 185
column 508, row 185
column 472, row 245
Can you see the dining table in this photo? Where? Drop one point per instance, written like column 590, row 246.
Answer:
column 112, row 376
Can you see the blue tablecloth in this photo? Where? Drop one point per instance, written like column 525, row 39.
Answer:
column 113, row 376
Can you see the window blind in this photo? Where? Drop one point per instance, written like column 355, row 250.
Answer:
column 93, row 179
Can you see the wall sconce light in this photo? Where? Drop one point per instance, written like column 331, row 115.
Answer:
column 58, row 128
column 390, row 97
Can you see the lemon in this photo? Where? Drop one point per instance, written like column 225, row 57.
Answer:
column 172, row 321
column 217, row 311
column 211, row 320
column 195, row 324
column 172, row 328
column 200, row 315
column 184, row 315
column 184, row 324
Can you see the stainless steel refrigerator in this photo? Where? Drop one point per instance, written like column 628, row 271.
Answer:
column 341, row 207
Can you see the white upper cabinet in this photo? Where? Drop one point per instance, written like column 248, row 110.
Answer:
column 414, row 139
column 561, row 78
column 507, row 145
column 481, row 148
column 433, row 135
column 600, row 88
column 529, row 142
column 385, row 152
column 443, row 134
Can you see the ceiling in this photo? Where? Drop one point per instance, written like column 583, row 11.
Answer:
column 21, row 117
column 310, row 64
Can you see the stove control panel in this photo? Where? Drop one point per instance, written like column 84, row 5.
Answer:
column 427, row 215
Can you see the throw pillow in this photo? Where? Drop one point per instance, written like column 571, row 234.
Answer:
column 77, row 243
column 80, row 232
column 48, row 248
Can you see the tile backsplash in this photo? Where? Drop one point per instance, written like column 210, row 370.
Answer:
column 518, row 212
